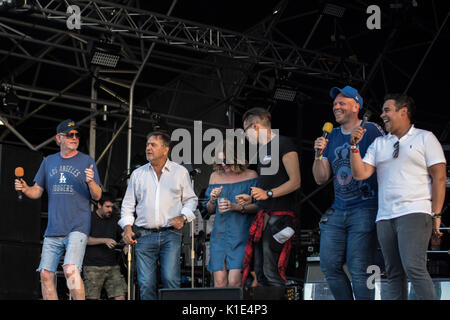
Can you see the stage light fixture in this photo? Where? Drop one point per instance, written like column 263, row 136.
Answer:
column 9, row 100
column 285, row 93
column 333, row 10
column 105, row 54
column 9, row 4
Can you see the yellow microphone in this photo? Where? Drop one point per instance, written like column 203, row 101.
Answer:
column 326, row 129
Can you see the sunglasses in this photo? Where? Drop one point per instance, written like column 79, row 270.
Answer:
column 71, row 135
column 396, row 149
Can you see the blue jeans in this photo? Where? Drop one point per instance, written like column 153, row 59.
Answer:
column 348, row 236
column 164, row 246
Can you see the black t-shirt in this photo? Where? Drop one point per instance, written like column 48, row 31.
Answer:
column 101, row 255
column 271, row 181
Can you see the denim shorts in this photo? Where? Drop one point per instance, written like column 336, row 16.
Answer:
column 74, row 244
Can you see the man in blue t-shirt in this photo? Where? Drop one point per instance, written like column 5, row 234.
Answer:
column 348, row 233
column 71, row 180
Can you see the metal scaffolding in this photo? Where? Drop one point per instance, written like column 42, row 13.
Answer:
column 201, row 71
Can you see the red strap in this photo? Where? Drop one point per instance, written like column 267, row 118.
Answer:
column 255, row 235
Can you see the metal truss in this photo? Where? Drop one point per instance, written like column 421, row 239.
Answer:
column 254, row 55
column 131, row 22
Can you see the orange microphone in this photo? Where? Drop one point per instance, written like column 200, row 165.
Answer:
column 18, row 172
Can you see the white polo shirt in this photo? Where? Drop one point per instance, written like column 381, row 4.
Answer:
column 404, row 184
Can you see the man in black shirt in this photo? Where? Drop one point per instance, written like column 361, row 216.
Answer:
column 101, row 265
column 279, row 178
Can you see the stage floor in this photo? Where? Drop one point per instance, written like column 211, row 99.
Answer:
column 319, row 290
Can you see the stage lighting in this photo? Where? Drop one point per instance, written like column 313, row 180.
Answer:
column 285, row 93
column 8, row 99
column 105, row 54
column 333, row 10
column 9, row 4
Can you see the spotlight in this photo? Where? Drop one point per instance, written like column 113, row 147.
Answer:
column 9, row 100
column 9, row 4
column 105, row 54
column 285, row 93
column 159, row 123
column 333, row 10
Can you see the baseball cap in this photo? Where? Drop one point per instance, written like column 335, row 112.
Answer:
column 349, row 92
column 66, row 125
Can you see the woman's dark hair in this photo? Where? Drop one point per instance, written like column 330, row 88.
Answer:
column 227, row 150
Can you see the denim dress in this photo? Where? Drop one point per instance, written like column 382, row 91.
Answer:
column 230, row 230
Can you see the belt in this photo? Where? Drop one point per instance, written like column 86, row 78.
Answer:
column 159, row 229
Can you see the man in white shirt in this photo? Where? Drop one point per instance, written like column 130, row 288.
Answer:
column 161, row 194
column 411, row 175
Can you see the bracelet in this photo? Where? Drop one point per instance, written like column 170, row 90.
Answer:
column 354, row 148
column 436, row 215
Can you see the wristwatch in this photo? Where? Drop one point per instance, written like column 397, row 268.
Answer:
column 269, row 193
column 435, row 215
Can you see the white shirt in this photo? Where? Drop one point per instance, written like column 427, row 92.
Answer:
column 404, row 184
column 158, row 201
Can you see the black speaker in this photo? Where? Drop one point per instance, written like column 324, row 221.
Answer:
column 313, row 271
column 231, row 293
column 265, row 293
column 19, row 220
column 18, row 277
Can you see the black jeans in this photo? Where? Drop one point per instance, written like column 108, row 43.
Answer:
column 267, row 252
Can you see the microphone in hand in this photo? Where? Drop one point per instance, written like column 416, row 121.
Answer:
column 365, row 118
column 19, row 173
column 136, row 235
column 326, row 130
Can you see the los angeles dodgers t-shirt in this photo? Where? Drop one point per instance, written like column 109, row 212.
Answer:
column 68, row 193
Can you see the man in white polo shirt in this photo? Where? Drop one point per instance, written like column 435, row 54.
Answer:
column 411, row 173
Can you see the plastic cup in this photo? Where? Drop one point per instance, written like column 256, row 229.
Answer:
column 221, row 203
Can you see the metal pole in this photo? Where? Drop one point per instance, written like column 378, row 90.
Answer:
column 11, row 128
column 111, row 142
column 93, row 123
column 108, row 162
column 192, row 248
column 133, row 84
column 28, row 115
column 312, row 32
